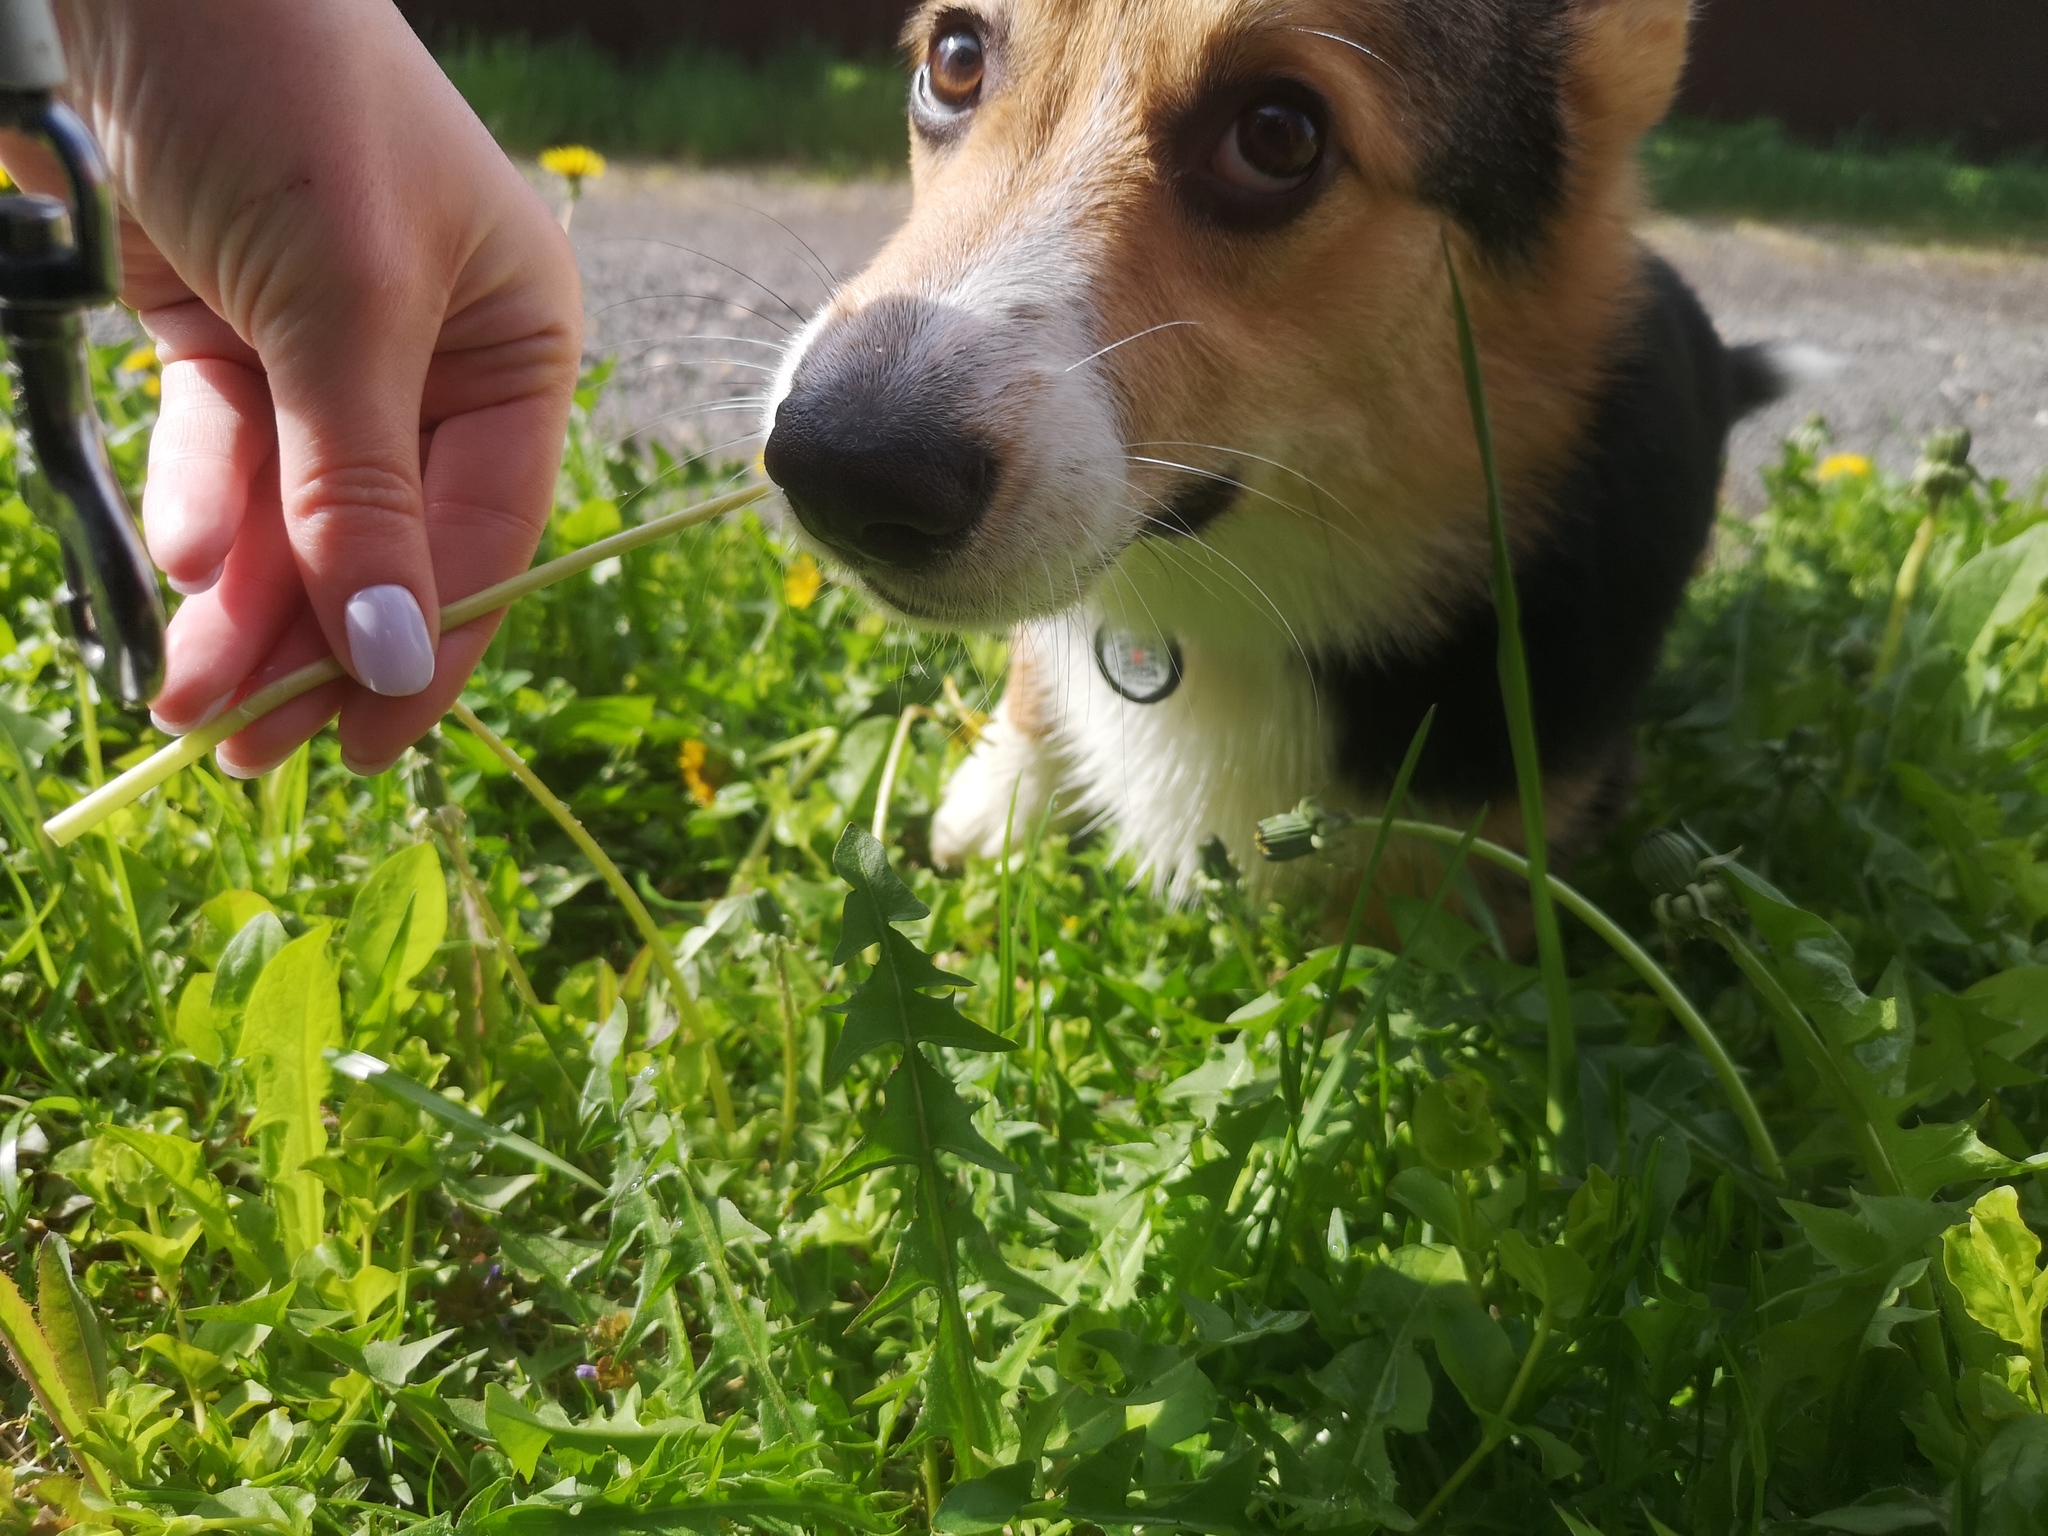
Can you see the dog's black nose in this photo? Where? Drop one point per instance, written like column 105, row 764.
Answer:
column 873, row 446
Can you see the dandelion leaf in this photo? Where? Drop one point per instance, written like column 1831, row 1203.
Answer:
column 1929, row 1157
column 195, row 1026
column 35, row 1362
column 397, row 923
column 2013, row 1478
column 886, row 1012
column 71, row 1324
column 255, row 944
column 982, row 1259
column 1988, row 595
column 878, row 898
column 1218, row 1504
column 1098, row 1488
column 522, row 1434
column 922, row 1114
column 960, row 1402
column 294, row 1018
column 986, row 1504
column 915, row 1268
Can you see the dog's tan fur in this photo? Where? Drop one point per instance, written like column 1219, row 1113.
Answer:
column 1317, row 362
column 1340, row 326
column 1335, row 333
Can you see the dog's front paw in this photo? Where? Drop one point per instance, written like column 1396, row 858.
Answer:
column 1008, row 768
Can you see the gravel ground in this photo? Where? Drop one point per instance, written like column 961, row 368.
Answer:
column 693, row 277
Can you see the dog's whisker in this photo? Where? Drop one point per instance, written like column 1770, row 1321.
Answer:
column 738, row 272
column 695, row 362
column 1103, row 352
column 708, row 408
column 1252, row 490
column 656, row 343
column 695, row 298
column 1198, row 542
column 1184, row 545
column 682, row 464
column 818, row 263
column 1257, row 458
column 1354, row 43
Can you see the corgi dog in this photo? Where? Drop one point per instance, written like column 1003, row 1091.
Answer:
column 1162, row 375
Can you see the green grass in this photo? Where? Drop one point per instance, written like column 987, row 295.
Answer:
column 1149, row 1230
column 807, row 108
column 802, row 107
column 1756, row 170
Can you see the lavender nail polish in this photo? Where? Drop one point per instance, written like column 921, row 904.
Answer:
column 194, row 588
column 387, row 641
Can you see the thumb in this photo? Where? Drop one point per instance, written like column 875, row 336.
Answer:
column 347, row 394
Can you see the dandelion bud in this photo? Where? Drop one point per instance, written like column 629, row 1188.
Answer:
column 1666, row 862
column 1944, row 469
column 1283, row 839
column 1951, row 445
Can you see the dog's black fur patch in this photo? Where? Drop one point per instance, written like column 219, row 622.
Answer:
column 1629, row 522
column 1485, row 81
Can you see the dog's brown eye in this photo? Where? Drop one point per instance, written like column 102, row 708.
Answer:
column 1274, row 146
column 956, row 66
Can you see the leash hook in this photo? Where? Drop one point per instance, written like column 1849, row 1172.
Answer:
column 58, row 260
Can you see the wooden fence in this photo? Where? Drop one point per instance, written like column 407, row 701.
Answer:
column 1971, row 71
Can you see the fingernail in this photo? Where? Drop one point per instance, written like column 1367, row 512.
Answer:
column 206, row 716
column 228, row 768
column 387, row 640
column 194, row 588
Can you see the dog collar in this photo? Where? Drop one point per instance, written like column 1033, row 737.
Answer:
column 1142, row 668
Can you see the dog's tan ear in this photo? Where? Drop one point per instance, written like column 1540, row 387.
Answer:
column 1631, row 56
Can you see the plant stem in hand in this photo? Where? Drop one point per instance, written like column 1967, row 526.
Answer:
column 70, row 825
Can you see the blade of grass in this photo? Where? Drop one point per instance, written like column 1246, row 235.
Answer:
column 1562, row 1087
column 32, row 937
column 69, row 825
column 886, row 791
column 621, row 888
column 117, row 863
column 387, row 1079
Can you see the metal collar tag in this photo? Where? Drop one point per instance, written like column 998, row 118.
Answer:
column 1145, row 669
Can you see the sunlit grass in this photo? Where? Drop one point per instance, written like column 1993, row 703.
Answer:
column 507, row 1153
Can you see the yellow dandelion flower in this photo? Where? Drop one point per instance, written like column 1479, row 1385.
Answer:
column 574, row 163
column 803, row 583
column 691, row 761
column 6, row 182
column 142, row 360
column 1844, row 466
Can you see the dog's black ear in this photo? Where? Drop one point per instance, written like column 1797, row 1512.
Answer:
column 1631, row 55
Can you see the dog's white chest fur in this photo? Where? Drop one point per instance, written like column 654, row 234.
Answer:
column 1242, row 738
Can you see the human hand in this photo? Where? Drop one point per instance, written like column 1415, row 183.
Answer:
column 370, row 329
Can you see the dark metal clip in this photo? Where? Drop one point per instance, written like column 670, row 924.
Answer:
column 58, row 260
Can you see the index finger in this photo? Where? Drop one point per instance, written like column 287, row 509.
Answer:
column 489, row 486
